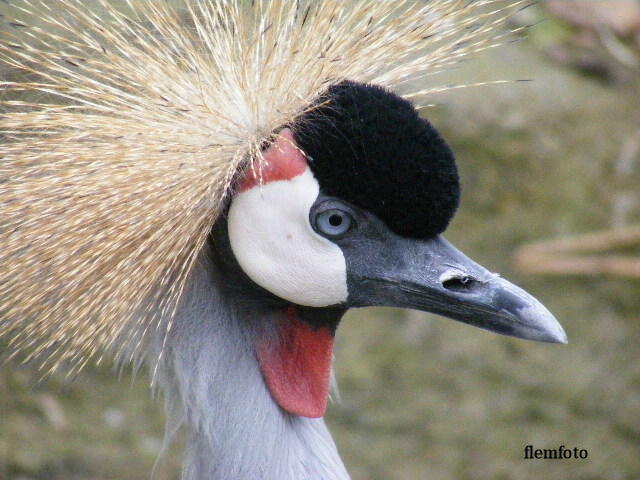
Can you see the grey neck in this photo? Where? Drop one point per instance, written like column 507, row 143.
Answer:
column 212, row 384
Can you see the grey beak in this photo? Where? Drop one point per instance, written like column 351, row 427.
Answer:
column 433, row 276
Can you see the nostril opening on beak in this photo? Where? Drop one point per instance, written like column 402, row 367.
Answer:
column 459, row 283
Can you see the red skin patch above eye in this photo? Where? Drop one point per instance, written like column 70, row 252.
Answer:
column 297, row 366
column 283, row 160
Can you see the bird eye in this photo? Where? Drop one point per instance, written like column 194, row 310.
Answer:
column 333, row 222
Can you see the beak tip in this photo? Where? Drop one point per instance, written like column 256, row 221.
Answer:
column 561, row 336
column 552, row 331
column 534, row 321
column 539, row 324
column 558, row 337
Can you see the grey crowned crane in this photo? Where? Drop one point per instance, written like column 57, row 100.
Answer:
column 210, row 195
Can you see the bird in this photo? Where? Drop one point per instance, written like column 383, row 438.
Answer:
column 207, row 191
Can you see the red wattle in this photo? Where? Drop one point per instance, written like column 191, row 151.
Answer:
column 296, row 366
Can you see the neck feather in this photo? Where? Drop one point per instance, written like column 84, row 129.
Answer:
column 212, row 384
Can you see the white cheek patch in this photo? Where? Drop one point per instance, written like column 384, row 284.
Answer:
column 275, row 245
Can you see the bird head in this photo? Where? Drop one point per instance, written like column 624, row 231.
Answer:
column 143, row 123
column 346, row 209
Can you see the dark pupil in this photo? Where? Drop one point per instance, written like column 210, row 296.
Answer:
column 335, row 220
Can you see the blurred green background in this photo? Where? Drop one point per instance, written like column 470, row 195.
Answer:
column 425, row 397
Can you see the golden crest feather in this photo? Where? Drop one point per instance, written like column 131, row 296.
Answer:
column 125, row 130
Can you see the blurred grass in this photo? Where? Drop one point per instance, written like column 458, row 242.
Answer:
column 94, row 427
column 424, row 397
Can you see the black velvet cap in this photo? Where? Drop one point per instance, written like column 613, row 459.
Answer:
column 369, row 147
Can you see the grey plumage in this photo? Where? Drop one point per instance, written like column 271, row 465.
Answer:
column 213, row 386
